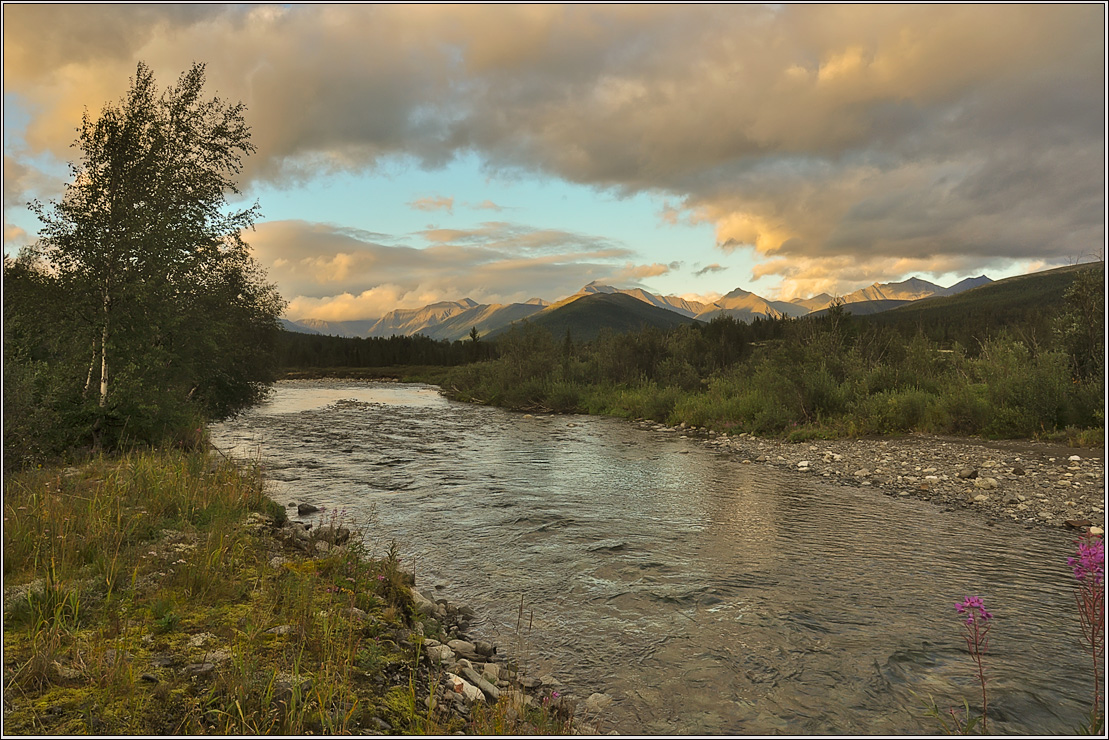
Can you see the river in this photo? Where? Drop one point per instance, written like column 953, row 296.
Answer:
column 702, row 594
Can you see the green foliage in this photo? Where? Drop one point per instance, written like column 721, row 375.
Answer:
column 140, row 311
column 1081, row 328
column 834, row 374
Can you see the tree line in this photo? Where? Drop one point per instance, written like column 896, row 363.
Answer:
column 830, row 375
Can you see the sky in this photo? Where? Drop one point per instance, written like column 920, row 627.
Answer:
column 412, row 154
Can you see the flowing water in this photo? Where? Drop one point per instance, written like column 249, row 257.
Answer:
column 703, row 595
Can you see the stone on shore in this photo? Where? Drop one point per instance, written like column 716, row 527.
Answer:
column 459, row 685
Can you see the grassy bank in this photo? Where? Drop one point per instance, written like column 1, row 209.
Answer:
column 149, row 594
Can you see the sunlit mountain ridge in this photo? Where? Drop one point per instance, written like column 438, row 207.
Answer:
column 452, row 320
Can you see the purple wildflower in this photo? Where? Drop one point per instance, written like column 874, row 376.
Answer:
column 976, row 633
column 1090, row 562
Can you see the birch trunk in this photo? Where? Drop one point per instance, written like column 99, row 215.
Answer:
column 104, row 352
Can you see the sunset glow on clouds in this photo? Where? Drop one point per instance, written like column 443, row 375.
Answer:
column 416, row 153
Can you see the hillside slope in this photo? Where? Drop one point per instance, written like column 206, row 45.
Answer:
column 585, row 317
column 1029, row 302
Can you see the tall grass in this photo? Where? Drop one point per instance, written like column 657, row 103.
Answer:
column 144, row 595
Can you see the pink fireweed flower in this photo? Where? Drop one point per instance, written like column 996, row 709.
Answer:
column 970, row 605
column 976, row 629
column 1090, row 563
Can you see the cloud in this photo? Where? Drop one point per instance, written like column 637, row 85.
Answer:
column 639, row 272
column 437, row 203
column 333, row 273
column 817, row 134
column 15, row 236
column 487, row 205
column 512, row 237
column 710, row 268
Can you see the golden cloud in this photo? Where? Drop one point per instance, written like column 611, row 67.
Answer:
column 813, row 132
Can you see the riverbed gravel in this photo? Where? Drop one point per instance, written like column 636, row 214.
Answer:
column 1026, row 482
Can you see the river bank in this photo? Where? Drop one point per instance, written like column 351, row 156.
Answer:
column 1027, row 482
column 164, row 593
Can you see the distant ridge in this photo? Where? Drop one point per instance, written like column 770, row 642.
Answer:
column 453, row 320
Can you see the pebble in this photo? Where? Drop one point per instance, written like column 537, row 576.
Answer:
column 950, row 472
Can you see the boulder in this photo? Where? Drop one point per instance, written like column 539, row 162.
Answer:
column 967, row 474
column 306, row 509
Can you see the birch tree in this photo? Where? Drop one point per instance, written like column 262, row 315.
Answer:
column 154, row 252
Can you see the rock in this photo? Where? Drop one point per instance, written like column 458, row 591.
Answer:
column 548, row 679
column 440, row 654
column 967, row 473
column 464, row 649
column 289, row 687
column 491, row 672
column 1018, row 470
column 459, row 685
column 596, row 703
column 149, row 678
column 985, row 483
column 200, row 669
column 305, row 509
column 1074, row 458
column 423, row 605
column 1077, row 523
column 476, row 679
column 484, row 648
column 803, row 464
column 333, row 535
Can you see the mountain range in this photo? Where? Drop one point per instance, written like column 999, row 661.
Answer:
column 454, row 320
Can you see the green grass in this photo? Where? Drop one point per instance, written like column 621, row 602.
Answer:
column 121, row 573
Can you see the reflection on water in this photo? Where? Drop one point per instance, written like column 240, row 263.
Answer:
column 704, row 595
